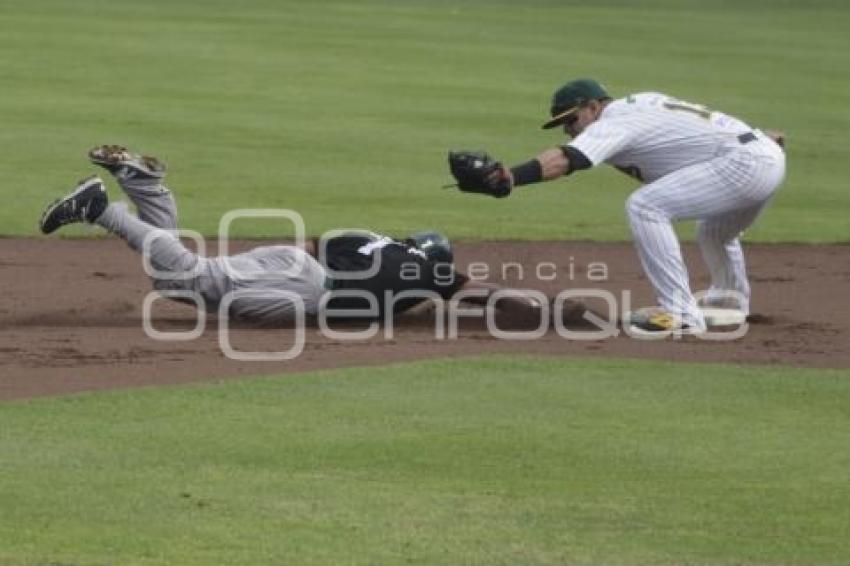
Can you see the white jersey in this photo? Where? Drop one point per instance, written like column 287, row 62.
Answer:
column 695, row 165
column 650, row 135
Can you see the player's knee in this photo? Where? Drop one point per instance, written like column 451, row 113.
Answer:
column 634, row 204
column 638, row 207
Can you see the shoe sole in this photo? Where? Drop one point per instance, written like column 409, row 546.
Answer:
column 82, row 186
column 643, row 334
column 109, row 150
column 135, row 161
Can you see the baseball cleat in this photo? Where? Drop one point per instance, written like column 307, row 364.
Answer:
column 126, row 165
column 84, row 204
column 654, row 323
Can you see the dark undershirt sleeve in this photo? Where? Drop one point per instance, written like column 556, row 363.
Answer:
column 577, row 159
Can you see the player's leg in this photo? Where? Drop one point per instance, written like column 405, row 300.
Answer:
column 756, row 171
column 651, row 211
column 692, row 192
column 720, row 244
column 273, row 283
column 179, row 269
column 88, row 202
column 165, row 251
column 141, row 178
column 739, row 181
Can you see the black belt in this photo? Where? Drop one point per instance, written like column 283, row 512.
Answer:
column 747, row 138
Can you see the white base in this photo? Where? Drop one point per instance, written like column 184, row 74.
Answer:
column 723, row 317
column 640, row 334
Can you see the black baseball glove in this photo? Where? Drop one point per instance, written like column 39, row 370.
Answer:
column 478, row 172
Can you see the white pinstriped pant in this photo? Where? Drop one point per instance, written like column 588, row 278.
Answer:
column 726, row 195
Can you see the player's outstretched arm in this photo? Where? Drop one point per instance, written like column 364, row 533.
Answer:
column 515, row 304
column 525, row 308
column 479, row 172
column 547, row 166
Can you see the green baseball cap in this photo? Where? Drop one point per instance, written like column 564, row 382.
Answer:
column 570, row 97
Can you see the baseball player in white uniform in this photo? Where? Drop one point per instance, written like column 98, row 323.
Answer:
column 694, row 163
column 267, row 285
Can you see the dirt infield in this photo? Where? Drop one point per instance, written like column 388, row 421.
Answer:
column 71, row 312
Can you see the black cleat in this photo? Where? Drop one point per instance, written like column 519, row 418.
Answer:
column 84, row 204
column 126, row 165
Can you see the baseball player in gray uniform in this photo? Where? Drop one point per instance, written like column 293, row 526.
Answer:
column 267, row 284
column 271, row 282
column 694, row 163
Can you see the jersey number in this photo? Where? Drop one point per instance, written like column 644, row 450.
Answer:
column 367, row 249
column 682, row 106
column 383, row 242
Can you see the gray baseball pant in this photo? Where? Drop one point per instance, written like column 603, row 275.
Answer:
column 265, row 285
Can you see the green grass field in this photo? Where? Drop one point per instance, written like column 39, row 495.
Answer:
column 497, row 461
column 343, row 111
